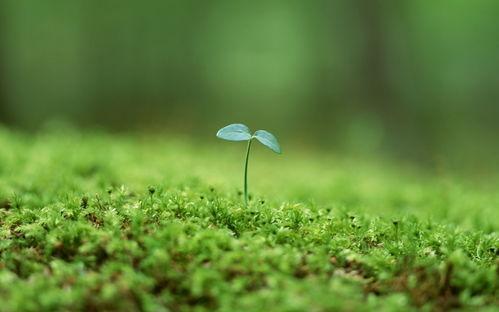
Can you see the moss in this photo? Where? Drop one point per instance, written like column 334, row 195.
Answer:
column 105, row 222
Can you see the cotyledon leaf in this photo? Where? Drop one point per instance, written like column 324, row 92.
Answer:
column 268, row 139
column 234, row 132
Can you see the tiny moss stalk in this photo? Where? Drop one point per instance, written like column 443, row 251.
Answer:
column 246, row 196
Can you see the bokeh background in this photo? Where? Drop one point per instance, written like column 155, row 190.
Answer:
column 415, row 80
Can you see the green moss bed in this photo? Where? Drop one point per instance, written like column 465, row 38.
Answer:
column 91, row 221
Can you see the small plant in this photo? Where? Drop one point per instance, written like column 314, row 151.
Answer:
column 240, row 132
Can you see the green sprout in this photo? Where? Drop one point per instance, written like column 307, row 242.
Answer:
column 239, row 132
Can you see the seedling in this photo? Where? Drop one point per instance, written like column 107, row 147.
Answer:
column 239, row 132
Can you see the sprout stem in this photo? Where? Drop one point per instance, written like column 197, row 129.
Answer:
column 246, row 197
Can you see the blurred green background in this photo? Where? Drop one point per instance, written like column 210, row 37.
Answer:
column 417, row 80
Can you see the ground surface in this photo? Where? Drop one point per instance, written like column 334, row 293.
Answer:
column 100, row 222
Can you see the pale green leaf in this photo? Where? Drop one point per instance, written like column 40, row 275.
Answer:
column 234, row 132
column 268, row 139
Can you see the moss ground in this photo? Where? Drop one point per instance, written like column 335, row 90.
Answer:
column 94, row 221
